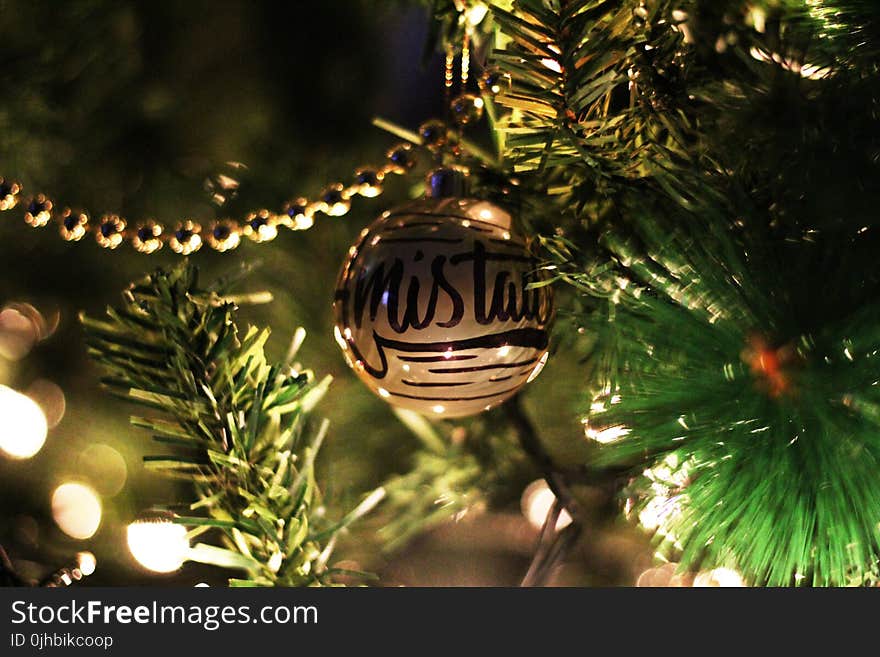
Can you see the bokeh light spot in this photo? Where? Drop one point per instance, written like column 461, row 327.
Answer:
column 23, row 426
column 86, row 562
column 158, row 545
column 76, row 509
column 105, row 467
column 50, row 398
column 18, row 334
column 537, row 500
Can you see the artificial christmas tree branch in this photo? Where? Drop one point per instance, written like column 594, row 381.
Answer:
column 243, row 427
column 457, row 470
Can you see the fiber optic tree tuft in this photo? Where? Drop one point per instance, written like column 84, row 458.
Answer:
column 716, row 165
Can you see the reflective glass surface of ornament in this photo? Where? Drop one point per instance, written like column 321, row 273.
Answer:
column 433, row 310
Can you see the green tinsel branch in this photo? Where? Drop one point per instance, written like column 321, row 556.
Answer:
column 723, row 156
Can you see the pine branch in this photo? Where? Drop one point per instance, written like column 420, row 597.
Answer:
column 461, row 472
column 575, row 73
column 243, row 426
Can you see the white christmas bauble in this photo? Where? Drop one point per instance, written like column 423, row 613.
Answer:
column 433, row 310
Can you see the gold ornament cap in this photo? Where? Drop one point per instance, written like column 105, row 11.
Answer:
column 446, row 182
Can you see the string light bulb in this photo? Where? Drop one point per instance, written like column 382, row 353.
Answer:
column 76, row 509
column 537, row 500
column 23, row 427
column 158, row 545
column 86, row 562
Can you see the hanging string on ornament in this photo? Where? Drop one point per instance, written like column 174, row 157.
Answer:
column 435, row 305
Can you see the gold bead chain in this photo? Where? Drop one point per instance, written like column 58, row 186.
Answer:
column 224, row 234
column 189, row 235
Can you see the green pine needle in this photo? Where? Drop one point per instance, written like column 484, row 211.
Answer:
column 241, row 426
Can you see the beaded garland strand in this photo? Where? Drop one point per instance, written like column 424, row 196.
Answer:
column 189, row 235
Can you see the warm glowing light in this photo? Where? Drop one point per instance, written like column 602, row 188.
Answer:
column 758, row 19
column 552, row 64
column 266, row 233
column 668, row 479
column 158, row 545
column 38, row 212
column 76, row 509
column 23, row 426
column 10, row 199
column 668, row 575
column 607, row 435
column 18, row 334
column 186, row 239
column 809, row 71
column 490, row 214
column 86, row 563
column 449, row 68
column 475, row 14
column 261, row 226
column 655, row 513
column 720, row 577
column 303, row 222
column 593, row 429
column 539, row 367
column 337, row 335
column 537, row 500
column 111, row 230
column 337, row 208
